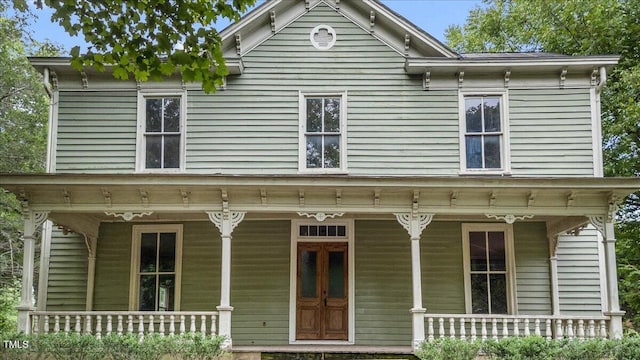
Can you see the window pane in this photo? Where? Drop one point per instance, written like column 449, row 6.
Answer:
column 497, row 257
column 492, row 152
column 166, row 292
column 171, row 151
column 492, row 114
column 474, row 152
column 148, row 243
column 154, row 115
column 498, row 285
column 308, row 271
column 478, row 251
column 479, row 294
column 167, row 260
column 336, row 274
column 304, row 230
column 332, row 152
column 147, row 293
column 314, row 151
column 473, row 110
column 331, row 230
column 314, row 115
column 332, row 115
column 342, row 230
column 154, row 152
column 172, row 115
column 322, row 230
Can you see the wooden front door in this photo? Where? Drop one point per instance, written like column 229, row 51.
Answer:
column 322, row 311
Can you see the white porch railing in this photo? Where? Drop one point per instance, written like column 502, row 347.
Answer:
column 483, row 327
column 141, row 323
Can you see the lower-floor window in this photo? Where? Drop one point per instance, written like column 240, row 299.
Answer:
column 155, row 267
column 489, row 268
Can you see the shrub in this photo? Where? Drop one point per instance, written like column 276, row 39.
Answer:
column 448, row 349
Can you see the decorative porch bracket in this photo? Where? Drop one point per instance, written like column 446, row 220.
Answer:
column 225, row 221
column 32, row 221
column 415, row 224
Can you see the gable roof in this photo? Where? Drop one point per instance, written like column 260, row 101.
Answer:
column 372, row 16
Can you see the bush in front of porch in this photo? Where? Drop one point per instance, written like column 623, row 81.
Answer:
column 531, row 348
column 113, row 347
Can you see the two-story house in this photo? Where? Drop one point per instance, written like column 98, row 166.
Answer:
column 354, row 186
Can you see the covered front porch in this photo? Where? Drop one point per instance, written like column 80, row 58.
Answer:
column 408, row 267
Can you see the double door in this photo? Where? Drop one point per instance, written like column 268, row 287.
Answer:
column 322, row 306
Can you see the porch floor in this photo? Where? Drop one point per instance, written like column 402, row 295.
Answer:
column 322, row 352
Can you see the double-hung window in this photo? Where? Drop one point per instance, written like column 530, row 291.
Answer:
column 484, row 134
column 156, row 265
column 161, row 136
column 489, row 268
column 322, row 133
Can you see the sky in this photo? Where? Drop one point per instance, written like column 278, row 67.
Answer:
column 433, row 16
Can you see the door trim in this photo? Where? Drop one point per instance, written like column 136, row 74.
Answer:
column 295, row 239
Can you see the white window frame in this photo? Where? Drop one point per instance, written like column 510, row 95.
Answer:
column 141, row 127
column 505, row 144
column 302, row 142
column 512, row 307
column 134, row 281
column 293, row 280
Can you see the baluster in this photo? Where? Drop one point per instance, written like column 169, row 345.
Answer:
column 483, row 330
column 570, row 332
column 120, row 325
column 559, row 329
column 203, row 325
column 430, row 329
column 516, row 327
column 452, row 328
column 151, row 329
column 213, row 324
column 592, row 329
column 161, row 329
column 109, row 325
column 603, row 329
column 505, row 328
column 463, row 331
column 182, row 325
column 78, row 327
column 99, row 326
column 87, row 324
column 35, row 325
column 473, row 329
column 46, row 324
column 441, row 327
column 494, row 328
column 192, row 325
column 130, row 324
column 547, row 325
column 140, row 326
column 581, row 329
column 67, row 324
column 172, row 326
column 56, row 324
column 527, row 331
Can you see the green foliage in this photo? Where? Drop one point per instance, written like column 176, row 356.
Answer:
column 628, row 256
column 448, row 349
column 528, row 348
column 114, row 347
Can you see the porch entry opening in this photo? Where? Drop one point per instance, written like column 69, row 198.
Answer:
column 322, row 311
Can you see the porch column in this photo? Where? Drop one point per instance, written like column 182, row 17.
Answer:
column 32, row 220
column 606, row 227
column 225, row 221
column 553, row 267
column 415, row 224
column 91, row 243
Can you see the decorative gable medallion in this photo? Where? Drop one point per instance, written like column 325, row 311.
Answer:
column 323, row 37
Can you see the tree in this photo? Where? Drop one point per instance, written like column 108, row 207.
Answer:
column 581, row 27
column 148, row 39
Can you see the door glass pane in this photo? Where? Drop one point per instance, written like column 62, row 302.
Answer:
column 479, row 300
column 314, row 151
column 477, row 251
column 308, row 273
column 473, row 109
column 336, row 274
column 314, row 115
column 497, row 257
column 172, row 115
column 171, row 151
column 154, row 115
column 332, row 152
column 332, row 115
column 492, row 151
column 492, row 114
column 167, row 260
column 474, row 152
column 166, row 292
column 153, row 152
column 148, row 252
column 147, row 293
column 498, row 293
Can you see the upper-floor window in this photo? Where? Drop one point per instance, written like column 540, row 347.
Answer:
column 161, row 124
column 484, row 133
column 322, row 133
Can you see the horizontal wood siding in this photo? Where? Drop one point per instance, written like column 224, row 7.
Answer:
column 260, row 283
column 442, row 268
column 382, row 284
column 113, row 265
column 201, row 248
column 67, row 285
column 551, row 132
column 97, row 132
column 578, row 274
column 532, row 268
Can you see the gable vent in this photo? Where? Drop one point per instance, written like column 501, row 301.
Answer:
column 323, row 37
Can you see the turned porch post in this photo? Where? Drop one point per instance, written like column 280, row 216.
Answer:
column 225, row 221
column 415, row 224
column 32, row 221
column 91, row 242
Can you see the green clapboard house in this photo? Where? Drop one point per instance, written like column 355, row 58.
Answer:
column 355, row 186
